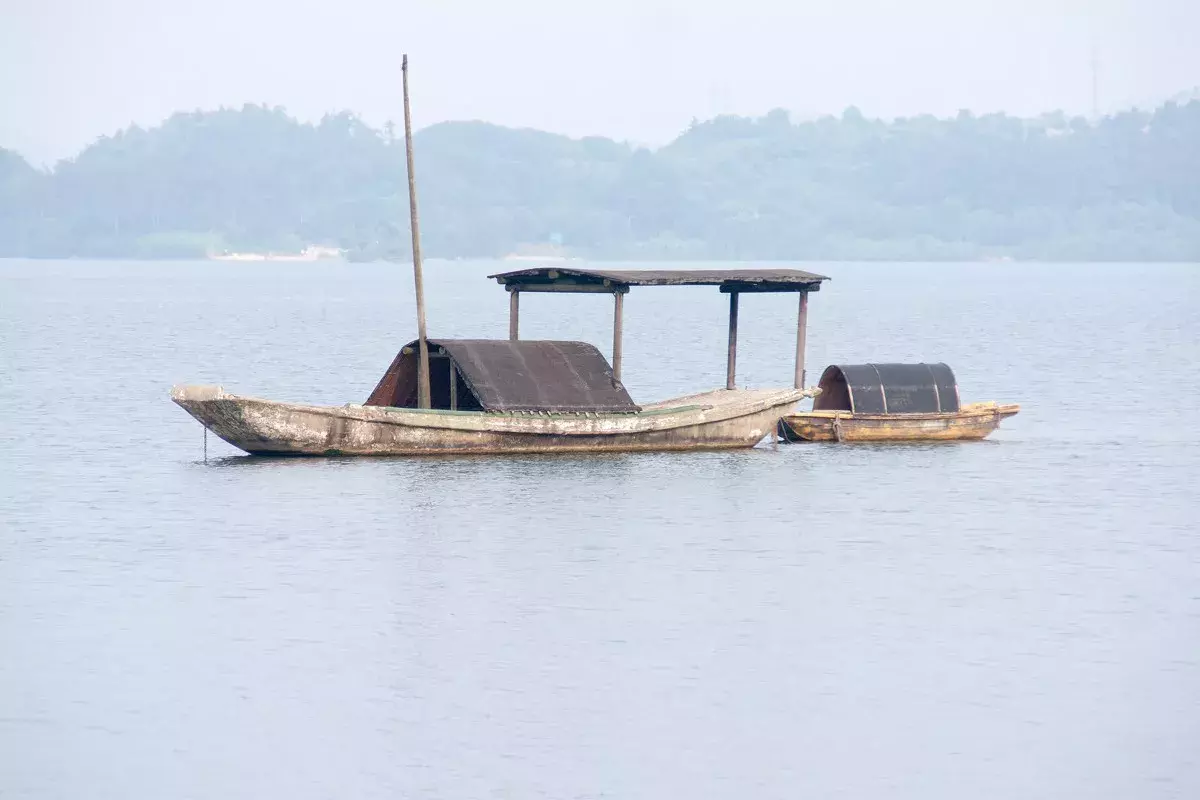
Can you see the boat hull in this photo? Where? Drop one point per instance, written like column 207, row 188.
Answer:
column 710, row 421
column 975, row 421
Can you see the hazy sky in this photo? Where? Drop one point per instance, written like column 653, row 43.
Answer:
column 71, row 70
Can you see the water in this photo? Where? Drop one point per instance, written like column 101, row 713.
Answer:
column 1012, row 618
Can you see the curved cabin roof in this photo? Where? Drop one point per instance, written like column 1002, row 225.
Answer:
column 888, row 389
column 571, row 279
column 505, row 375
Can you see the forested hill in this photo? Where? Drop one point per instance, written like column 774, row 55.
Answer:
column 1124, row 188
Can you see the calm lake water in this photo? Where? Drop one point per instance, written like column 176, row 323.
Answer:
column 1014, row 618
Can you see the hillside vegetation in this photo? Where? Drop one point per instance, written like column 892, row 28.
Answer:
column 1126, row 187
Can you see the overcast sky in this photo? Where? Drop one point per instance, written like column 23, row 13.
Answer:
column 71, row 70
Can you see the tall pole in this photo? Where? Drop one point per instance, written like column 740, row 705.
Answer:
column 423, row 363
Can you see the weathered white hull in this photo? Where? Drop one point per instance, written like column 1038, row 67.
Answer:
column 713, row 420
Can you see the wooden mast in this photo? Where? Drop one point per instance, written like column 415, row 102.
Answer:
column 423, row 356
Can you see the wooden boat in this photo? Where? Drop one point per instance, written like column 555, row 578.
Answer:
column 493, row 396
column 891, row 403
column 513, row 396
column 714, row 420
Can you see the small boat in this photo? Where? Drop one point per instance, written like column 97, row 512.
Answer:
column 891, row 403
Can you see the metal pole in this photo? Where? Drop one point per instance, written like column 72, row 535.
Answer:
column 514, row 313
column 453, row 386
column 731, row 364
column 418, row 279
column 618, row 313
column 801, row 338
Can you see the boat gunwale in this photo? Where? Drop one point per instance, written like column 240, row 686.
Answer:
column 967, row 411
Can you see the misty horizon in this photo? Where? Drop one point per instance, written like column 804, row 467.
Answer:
column 794, row 118
column 71, row 72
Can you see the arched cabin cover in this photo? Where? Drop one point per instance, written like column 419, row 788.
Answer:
column 505, row 375
column 888, row 389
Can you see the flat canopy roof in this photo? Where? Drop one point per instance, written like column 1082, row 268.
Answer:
column 572, row 279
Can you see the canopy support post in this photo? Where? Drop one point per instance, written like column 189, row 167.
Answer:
column 801, row 338
column 618, row 324
column 731, row 363
column 514, row 312
column 453, row 386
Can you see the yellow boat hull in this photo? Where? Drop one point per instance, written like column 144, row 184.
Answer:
column 974, row 421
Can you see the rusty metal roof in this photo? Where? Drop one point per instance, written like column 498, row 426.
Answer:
column 572, row 278
column 525, row 375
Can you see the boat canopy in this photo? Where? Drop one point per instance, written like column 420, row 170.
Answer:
column 888, row 389
column 505, row 375
column 570, row 279
column 733, row 282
